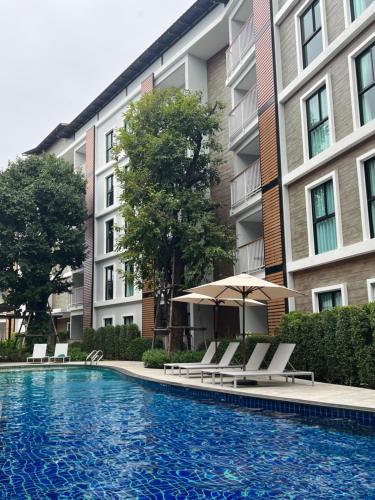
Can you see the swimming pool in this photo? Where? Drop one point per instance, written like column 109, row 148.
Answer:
column 94, row 433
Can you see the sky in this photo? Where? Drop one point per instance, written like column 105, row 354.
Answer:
column 56, row 56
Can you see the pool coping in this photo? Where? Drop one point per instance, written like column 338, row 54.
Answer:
column 238, row 397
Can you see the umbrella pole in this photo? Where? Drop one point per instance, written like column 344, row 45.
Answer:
column 243, row 332
column 216, row 311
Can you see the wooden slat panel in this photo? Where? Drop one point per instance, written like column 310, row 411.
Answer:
column 268, row 145
column 261, row 14
column 264, row 67
column 147, row 84
column 148, row 305
column 276, row 308
column 273, row 254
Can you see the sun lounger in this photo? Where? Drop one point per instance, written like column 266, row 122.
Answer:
column 61, row 353
column 225, row 360
column 39, row 353
column 206, row 360
column 255, row 360
column 276, row 368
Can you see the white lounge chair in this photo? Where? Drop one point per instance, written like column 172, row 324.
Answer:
column 206, row 360
column 61, row 353
column 276, row 368
column 225, row 360
column 254, row 362
column 39, row 353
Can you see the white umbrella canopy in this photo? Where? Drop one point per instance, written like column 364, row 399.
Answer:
column 198, row 298
column 242, row 287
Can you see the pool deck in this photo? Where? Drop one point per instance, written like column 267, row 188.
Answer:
column 352, row 398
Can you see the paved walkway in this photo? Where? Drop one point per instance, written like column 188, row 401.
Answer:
column 302, row 391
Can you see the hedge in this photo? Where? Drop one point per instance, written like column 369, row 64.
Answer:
column 338, row 344
column 155, row 358
column 117, row 342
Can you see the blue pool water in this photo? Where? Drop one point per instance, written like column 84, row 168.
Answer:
column 93, row 433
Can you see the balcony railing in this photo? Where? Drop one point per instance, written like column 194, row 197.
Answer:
column 250, row 257
column 240, row 46
column 245, row 184
column 76, row 297
column 242, row 114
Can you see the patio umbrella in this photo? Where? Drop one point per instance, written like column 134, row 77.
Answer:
column 198, row 298
column 242, row 287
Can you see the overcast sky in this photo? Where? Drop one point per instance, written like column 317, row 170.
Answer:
column 56, row 56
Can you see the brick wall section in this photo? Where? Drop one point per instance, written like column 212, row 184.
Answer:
column 269, row 158
column 353, row 272
column 89, row 232
column 346, row 168
column 217, row 91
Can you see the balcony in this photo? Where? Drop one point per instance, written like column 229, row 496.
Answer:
column 76, row 297
column 239, row 47
column 244, row 186
column 242, row 115
column 250, row 257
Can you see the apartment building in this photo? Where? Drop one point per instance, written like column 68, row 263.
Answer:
column 298, row 178
column 325, row 64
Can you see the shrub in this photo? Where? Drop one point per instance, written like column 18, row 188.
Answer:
column 10, row 350
column 155, row 358
column 136, row 348
column 76, row 354
column 115, row 341
column 338, row 345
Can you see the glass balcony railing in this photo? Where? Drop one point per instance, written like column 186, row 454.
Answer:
column 240, row 47
column 76, row 297
column 242, row 114
column 250, row 257
column 245, row 184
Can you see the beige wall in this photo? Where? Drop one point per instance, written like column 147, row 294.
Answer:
column 338, row 70
column 353, row 272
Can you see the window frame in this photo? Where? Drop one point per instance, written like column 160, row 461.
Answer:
column 125, row 295
column 350, row 15
column 370, row 48
column 365, row 218
column 310, row 230
column 107, row 192
column 353, row 82
column 317, row 220
column 298, row 32
column 127, row 316
column 106, row 282
column 108, row 150
column 304, row 43
column 369, row 199
column 112, row 318
column 106, row 235
column 371, row 289
column 342, row 287
column 323, row 82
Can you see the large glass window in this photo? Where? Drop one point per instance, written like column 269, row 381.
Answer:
column 109, row 146
column 109, row 236
column 129, row 281
column 324, row 219
column 370, row 193
column 365, row 65
column 109, row 190
column 358, row 6
column 330, row 299
column 317, row 122
column 107, row 321
column 311, row 33
column 108, row 282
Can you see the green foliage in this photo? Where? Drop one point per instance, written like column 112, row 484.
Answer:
column 76, row 353
column 156, row 358
column 117, row 342
column 338, row 344
column 171, row 225
column 10, row 350
column 43, row 212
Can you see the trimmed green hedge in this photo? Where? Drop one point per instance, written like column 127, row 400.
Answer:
column 10, row 350
column 117, row 342
column 155, row 358
column 338, row 344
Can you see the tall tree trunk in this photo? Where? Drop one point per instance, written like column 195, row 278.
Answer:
column 179, row 309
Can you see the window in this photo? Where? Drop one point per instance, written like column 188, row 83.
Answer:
column 311, row 33
column 128, row 320
column 108, row 282
column 365, row 67
column 369, row 166
column 317, row 122
column 371, row 289
column 327, row 300
column 129, row 281
column 109, row 190
column 107, row 321
column 109, row 146
column 109, row 236
column 324, row 217
column 359, row 6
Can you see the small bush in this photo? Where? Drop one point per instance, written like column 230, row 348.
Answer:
column 116, row 341
column 10, row 350
column 136, row 348
column 75, row 352
column 155, row 358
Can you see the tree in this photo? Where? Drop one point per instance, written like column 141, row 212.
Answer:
column 171, row 234
column 43, row 212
